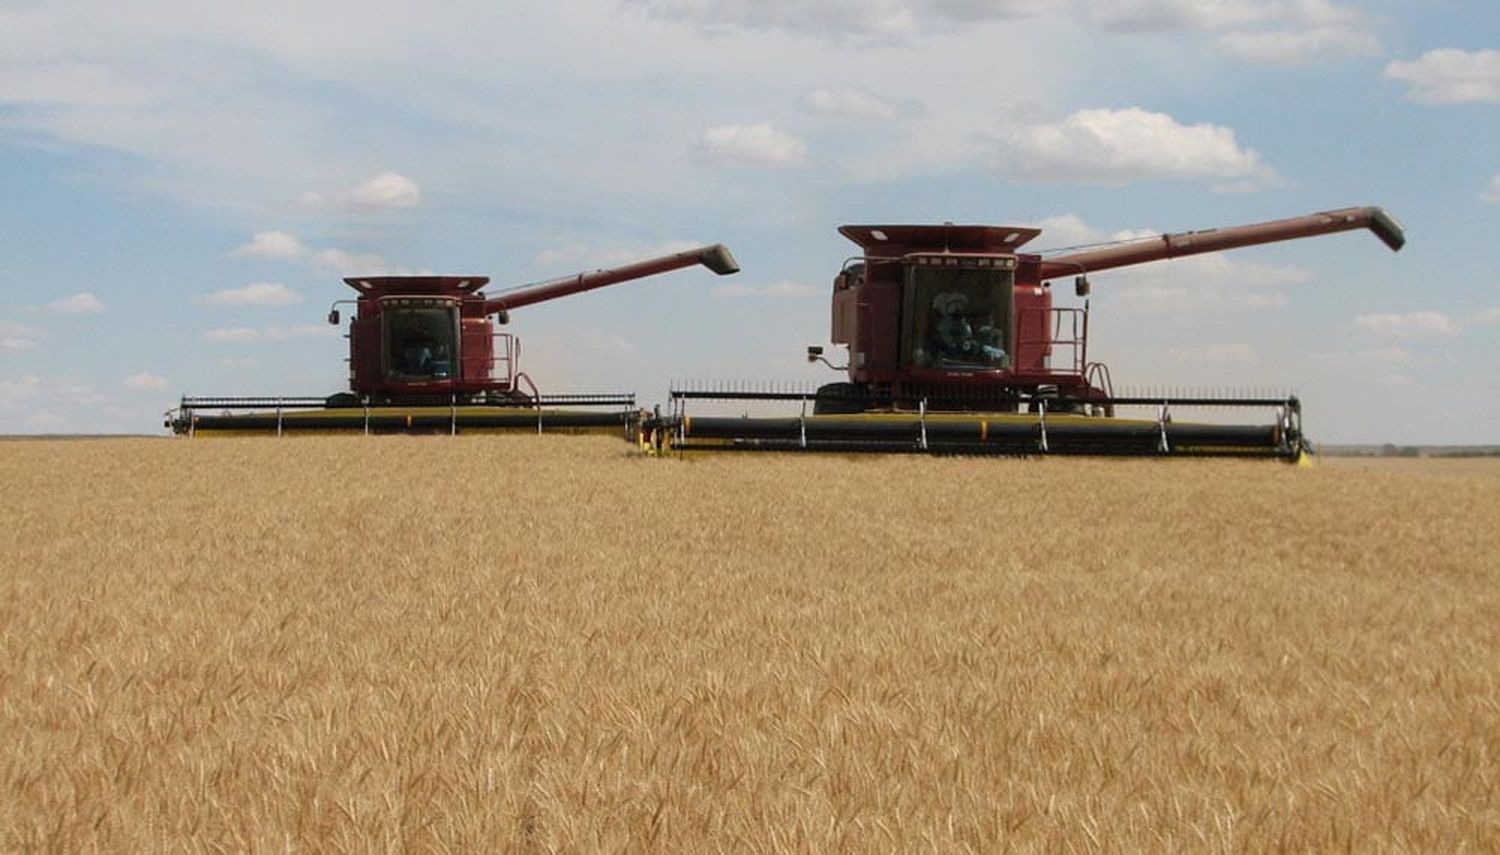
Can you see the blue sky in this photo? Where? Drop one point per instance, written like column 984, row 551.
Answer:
column 184, row 188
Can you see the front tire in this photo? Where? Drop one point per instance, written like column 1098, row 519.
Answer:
column 840, row 399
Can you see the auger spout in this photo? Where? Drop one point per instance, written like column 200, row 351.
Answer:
column 715, row 257
column 1377, row 220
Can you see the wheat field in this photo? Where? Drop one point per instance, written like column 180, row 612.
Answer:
column 552, row 644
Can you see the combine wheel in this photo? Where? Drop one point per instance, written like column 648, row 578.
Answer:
column 1050, row 396
column 839, row 399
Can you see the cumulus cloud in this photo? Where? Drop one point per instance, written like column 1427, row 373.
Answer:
column 72, row 84
column 27, row 402
column 782, row 288
column 1266, row 32
column 1487, row 317
column 1104, row 146
column 1066, row 230
column 386, row 190
column 245, row 335
column 254, row 294
column 851, row 103
column 1156, row 15
column 1294, row 48
column 843, row 19
column 79, row 304
column 1208, row 283
column 17, row 391
column 1217, row 268
column 346, row 263
column 1493, row 194
column 272, row 244
column 1388, row 356
column 17, row 337
column 751, row 145
column 1186, row 297
column 1450, row 76
column 145, row 382
column 1409, row 325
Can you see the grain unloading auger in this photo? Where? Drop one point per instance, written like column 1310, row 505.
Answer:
column 955, row 346
column 425, row 356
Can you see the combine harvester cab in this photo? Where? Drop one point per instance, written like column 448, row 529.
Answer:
column 955, row 347
column 425, row 357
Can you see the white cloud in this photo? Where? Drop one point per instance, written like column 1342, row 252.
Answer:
column 1298, row 47
column 1106, row 146
column 1199, row 298
column 1202, row 284
column 225, row 335
column 1156, row 15
column 752, row 145
column 17, row 337
column 1407, row 326
column 782, row 288
column 82, row 393
column 843, row 19
column 849, row 102
column 271, row 245
column 81, row 84
column 1389, row 356
column 144, row 381
column 1213, row 282
column 1227, row 353
column 78, row 304
column 244, row 335
column 1487, row 317
column 354, row 264
column 1493, row 194
column 1065, row 230
column 1450, row 76
column 386, row 190
column 254, row 294
column 31, row 402
column 16, row 394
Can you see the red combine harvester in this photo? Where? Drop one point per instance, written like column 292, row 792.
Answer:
column 425, row 356
column 955, row 346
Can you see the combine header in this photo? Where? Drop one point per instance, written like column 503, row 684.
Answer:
column 955, row 346
column 425, row 357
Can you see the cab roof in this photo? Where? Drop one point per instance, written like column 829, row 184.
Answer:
column 897, row 241
column 378, row 286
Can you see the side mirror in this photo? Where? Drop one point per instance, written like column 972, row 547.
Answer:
column 1081, row 286
column 333, row 317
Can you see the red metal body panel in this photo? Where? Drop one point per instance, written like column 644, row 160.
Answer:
column 364, row 351
column 878, row 310
column 478, row 353
column 1033, row 327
